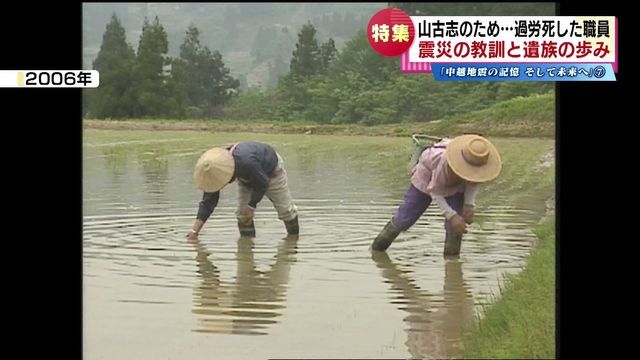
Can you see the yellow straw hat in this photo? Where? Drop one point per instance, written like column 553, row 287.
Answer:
column 214, row 169
column 473, row 158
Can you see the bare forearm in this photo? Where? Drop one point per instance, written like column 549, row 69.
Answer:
column 195, row 230
column 197, row 226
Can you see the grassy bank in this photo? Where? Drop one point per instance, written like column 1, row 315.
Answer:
column 521, row 324
column 533, row 116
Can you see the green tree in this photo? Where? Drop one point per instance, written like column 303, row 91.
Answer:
column 357, row 85
column 290, row 98
column 306, row 59
column 115, row 64
column 202, row 76
column 328, row 54
column 151, row 93
column 252, row 104
column 358, row 56
column 324, row 99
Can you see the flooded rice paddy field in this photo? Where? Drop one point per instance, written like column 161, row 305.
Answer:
column 148, row 293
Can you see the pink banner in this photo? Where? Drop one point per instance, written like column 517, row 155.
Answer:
column 413, row 67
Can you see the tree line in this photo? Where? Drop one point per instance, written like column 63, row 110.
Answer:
column 353, row 85
column 357, row 85
column 148, row 83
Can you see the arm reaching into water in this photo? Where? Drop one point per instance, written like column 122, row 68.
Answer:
column 457, row 222
column 205, row 209
column 469, row 211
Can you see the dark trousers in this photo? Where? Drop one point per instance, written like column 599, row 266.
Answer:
column 416, row 203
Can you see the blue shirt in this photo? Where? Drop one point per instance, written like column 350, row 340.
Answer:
column 254, row 164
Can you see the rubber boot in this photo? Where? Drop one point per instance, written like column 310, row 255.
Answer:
column 452, row 243
column 247, row 229
column 292, row 226
column 386, row 237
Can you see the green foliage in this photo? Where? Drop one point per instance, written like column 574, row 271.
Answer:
column 328, row 54
column 291, row 98
column 253, row 104
column 324, row 103
column 230, row 28
column 521, row 324
column 320, row 84
column 151, row 84
column 114, row 51
column 358, row 56
column 201, row 76
column 115, row 64
column 193, row 112
column 532, row 116
column 150, row 92
column 360, row 86
column 534, row 109
column 306, row 57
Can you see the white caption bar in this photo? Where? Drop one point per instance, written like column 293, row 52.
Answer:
column 49, row 78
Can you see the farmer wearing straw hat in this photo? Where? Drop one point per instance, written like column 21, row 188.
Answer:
column 259, row 170
column 448, row 173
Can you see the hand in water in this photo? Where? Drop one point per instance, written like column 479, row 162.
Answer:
column 192, row 235
column 458, row 225
column 247, row 215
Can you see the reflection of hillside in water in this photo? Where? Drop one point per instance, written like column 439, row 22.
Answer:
column 250, row 304
column 435, row 323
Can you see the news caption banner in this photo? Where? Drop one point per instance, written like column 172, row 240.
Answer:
column 49, row 79
column 499, row 48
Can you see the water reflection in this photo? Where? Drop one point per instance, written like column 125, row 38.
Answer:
column 140, row 276
column 155, row 167
column 435, row 324
column 154, row 164
column 254, row 301
column 116, row 158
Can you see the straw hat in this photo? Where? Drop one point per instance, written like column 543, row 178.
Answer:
column 473, row 158
column 214, row 169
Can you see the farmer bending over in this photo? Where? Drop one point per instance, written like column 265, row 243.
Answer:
column 259, row 171
column 448, row 173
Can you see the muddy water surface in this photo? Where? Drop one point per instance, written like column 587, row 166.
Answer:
column 151, row 294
